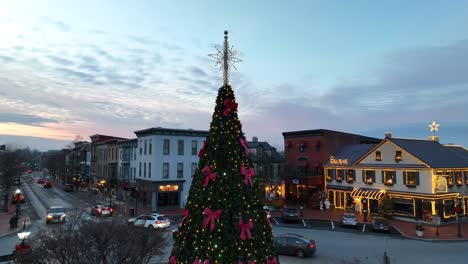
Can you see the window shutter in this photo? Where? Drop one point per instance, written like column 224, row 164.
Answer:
column 404, row 177
column 394, row 177
column 383, row 178
column 417, row 178
column 333, row 174
column 373, row 177
column 363, row 178
column 354, row 175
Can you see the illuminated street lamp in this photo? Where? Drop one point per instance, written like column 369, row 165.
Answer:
column 17, row 201
column 23, row 236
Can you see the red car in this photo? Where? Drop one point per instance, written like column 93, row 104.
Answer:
column 40, row 181
column 47, row 185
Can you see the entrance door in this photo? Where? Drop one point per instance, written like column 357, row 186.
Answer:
column 168, row 199
column 374, row 206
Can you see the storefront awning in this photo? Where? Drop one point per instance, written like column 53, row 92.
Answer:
column 367, row 194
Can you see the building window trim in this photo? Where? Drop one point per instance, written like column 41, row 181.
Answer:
column 166, row 146
column 194, row 147
column 165, row 168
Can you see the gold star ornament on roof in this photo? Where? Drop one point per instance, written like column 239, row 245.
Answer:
column 434, row 126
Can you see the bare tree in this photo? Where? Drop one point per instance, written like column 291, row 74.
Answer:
column 9, row 171
column 93, row 242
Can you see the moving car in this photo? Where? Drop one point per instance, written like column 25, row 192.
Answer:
column 349, row 219
column 68, row 187
column 153, row 220
column 380, row 224
column 101, row 210
column 40, row 181
column 55, row 214
column 294, row 244
column 290, row 214
column 47, row 184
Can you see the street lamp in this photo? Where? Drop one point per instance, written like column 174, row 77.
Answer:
column 17, row 201
column 23, row 236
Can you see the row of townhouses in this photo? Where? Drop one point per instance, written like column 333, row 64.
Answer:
column 423, row 177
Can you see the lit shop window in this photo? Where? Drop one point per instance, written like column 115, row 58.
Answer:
column 330, row 173
column 369, row 176
column 339, row 175
column 411, row 178
column 458, row 178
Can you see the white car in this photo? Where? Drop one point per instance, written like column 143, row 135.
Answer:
column 153, row 220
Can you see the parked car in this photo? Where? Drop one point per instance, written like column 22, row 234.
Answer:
column 40, row 181
column 267, row 211
column 153, row 220
column 101, row 210
column 55, row 214
column 380, row 224
column 349, row 219
column 68, row 187
column 47, row 184
column 290, row 214
column 293, row 244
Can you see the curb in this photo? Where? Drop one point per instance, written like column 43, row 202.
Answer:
column 429, row 239
column 18, row 229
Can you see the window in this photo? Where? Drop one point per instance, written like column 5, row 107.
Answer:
column 139, row 171
column 411, row 178
column 144, row 170
column 180, row 170
column 351, row 176
column 458, row 178
column 194, row 168
column 330, row 173
column 165, row 174
column 194, row 147
column 466, row 177
column 149, row 170
column 150, row 150
column 141, row 149
column 134, row 172
column 389, row 177
column 368, row 176
column 134, row 154
column 166, row 147
column 450, row 179
column 317, row 147
column 339, row 175
column 398, row 156
column 180, row 147
column 145, row 147
column 301, row 148
column 378, row 156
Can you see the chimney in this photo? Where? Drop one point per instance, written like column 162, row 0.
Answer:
column 434, row 138
column 254, row 139
column 388, row 135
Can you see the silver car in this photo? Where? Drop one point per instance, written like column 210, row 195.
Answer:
column 55, row 214
column 349, row 219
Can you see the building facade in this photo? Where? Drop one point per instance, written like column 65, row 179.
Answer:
column 126, row 172
column 423, row 177
column 305, row 154
column 100, row 155
column 166, row 160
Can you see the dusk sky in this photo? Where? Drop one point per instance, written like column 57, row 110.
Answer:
column 72, row 68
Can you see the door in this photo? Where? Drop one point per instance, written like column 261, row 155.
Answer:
column 149, row 220
column 140, row 221
column 374, row 206
column 281, row 245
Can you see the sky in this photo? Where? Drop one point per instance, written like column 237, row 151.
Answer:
column 71, row 68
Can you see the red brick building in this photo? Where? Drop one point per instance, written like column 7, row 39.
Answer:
column 305, row 153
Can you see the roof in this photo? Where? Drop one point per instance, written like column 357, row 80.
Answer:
column 275, row 156
column 321, row 132
column 170, row 131
column 351, row 152
column 459, row 150
column 433, row 153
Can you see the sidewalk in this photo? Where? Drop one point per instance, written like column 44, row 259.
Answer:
column 447, row 232
column 5, row 229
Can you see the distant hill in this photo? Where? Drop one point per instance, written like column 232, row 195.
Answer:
column 41, row 144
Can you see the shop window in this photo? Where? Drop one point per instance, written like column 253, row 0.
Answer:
column 449, row 207
column 339, row 175
column 389, row 177
column 466, row 177
column 403, row 206
column 398, row 156
column 458, row 178
column 411, row 178
column 330, row 173
column 368, row 176
column 378, row 156
column 350, row 176
column 450, row 181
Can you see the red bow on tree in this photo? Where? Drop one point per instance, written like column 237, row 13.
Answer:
column 208, row 175
column 173, row 260
column 186, row 214
column 272, row 261
column 202, row 150
column 243, row 143
column 230, row 106
column 248, row 173
column 245, row 229
column 196, row 261
column 211, row 217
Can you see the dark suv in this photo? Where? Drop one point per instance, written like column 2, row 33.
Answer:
column 293, row 244
column 290, row 214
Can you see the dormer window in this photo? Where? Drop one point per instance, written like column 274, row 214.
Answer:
column 398, row 156
column 378, row 156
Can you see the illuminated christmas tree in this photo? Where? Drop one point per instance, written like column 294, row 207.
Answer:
column 224, row 220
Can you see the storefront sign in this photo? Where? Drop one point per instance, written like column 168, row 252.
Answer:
column 440, row 184
column 338, row 161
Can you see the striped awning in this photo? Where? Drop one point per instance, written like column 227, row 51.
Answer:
column 367, row 194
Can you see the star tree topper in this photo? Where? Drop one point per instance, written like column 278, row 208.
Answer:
column 226, row 57
column 434, row 126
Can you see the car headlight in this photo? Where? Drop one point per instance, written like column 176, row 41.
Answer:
column 49, row 216
column 63, row 216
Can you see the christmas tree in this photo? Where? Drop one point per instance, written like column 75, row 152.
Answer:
column 224, row 220
column 386, row 206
